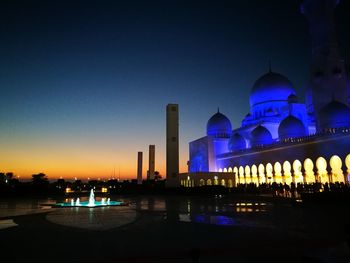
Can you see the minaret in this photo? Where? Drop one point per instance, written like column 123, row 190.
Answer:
column 139, row 168
column 172, row 145
column 328, row 78
column 151, row 161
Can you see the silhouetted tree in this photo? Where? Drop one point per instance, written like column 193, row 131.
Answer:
column 40, row 182
column 157, row 176
column 9, row 175
column 39, row 178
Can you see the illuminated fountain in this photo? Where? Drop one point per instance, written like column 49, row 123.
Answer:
column 91, row 203
column 92, row 198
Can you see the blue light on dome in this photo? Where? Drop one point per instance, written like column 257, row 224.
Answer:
column 291, row 127
column 271, row 87
column 219, row 126
column 334, row 115
column 236, row 143
column 260, row 136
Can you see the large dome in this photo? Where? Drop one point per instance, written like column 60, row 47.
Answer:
column 260, row 136
column 236, row 143
column 219, row 126
column 291, row 127
column 334, row 115
column 271, row 87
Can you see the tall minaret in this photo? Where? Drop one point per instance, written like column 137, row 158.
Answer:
column 139, row 167
column 151, row 161
column 172, row 145
column 328, row 78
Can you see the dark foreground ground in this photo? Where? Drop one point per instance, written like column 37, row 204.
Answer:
column 176, row 229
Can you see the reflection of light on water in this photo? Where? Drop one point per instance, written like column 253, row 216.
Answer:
column 249, row 210
column 249, row 207
column 189, row 206
column 185, row 217
column 222, row 220
column 207, row 219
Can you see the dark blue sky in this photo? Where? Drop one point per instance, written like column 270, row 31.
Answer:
column 98, row 74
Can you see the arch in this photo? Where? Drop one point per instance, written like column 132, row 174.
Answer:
column 321, row 165
column 336, row 165
column 230, row 170
column 220, row 170
column 225, row 170
column 347, row 164
column 223, row 183
column 247, row 174
column 229, row 183
column 235, row 171
column 287, row 172
column 347, row 161
column 216, row 181
column 261, row 170
column 309, row 171
column 209, row 182
column 201, row 182
column 241, row 175
column 277, row 167
column 298, row 176
column 269, row 171
column 254, row 171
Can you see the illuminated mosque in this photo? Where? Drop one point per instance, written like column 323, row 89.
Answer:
column 281, row 139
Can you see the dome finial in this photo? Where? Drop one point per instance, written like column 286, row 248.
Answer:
column 218, row 110
column 270, row 69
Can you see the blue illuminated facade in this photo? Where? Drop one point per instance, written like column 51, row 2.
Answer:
column 281, row 139
column 275, row 115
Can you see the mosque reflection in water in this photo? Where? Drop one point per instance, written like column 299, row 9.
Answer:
column 215, row 211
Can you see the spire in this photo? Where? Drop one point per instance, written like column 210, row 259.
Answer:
column 270, row 70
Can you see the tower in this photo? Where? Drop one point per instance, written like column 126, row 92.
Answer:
column 139, row 168
column 151, row 160
column 328, row 77
column 172, row 145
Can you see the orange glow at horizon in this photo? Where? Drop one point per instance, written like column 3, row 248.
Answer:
column 81, row 161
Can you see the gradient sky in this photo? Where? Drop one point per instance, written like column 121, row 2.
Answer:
column 84, row 84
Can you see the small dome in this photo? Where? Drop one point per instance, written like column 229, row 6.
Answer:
column 219, row 126
column 236, row 143
column 291, row 127
column 271, row 87
column 334, row 115
column 260, row 136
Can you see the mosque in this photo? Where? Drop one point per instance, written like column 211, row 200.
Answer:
column 281, row 139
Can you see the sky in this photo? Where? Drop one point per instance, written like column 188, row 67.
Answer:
column 84, row 84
